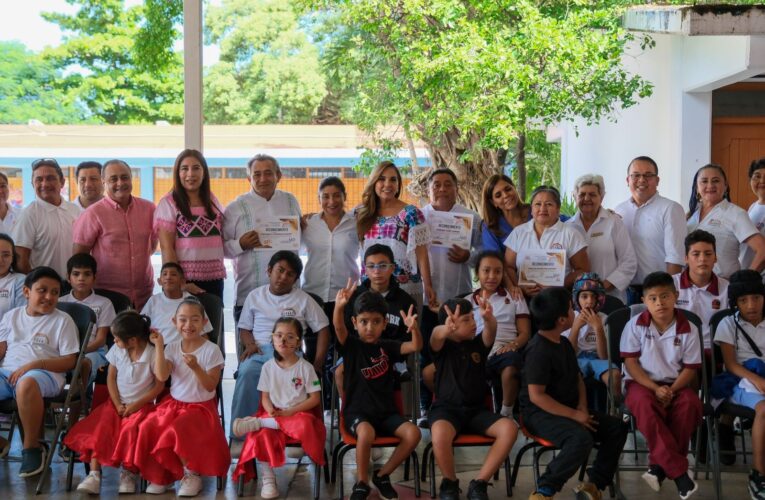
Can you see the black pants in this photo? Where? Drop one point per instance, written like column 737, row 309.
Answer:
column 575, row 443
column 428, row 323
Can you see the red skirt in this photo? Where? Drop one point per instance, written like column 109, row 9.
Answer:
column 106, row 436
column 179, row 431
column 267, row 445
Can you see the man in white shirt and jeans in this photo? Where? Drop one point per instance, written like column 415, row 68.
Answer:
column 241, row 241
column 656, row 225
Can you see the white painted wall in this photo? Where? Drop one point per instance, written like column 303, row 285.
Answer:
column 674, row 125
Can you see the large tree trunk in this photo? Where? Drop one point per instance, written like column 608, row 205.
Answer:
column 446, row 152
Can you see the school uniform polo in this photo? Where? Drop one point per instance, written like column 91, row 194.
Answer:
column 661, row 356
column 506, row 310
column 657, row 230
column 757, row 216
column 610, row 250
column 134, row 378
column 731, row 226
column 727, row 333
column 451, row 279
column 559, row 236
column 704, row 301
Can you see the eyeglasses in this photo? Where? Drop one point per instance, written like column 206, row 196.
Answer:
column 45, row 161
column 648, row 177
column 379, row 267
column 290, row 337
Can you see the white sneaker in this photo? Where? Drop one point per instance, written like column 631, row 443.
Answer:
column 191, row 485
column 269, row 490
column 295, row 452
column 156, row 489
column 127, row 481
column 91, row 484
column 243, row 426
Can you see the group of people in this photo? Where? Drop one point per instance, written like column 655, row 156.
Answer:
column 411, row 296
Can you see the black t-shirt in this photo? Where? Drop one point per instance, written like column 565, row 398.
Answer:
column 397, row 300
column 553, row 365
column 368, row 376
column 461, row 372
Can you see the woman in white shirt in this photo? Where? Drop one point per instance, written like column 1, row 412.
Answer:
column 710, row 209
column 609, row 246
column 545, row 231
column 8, row 213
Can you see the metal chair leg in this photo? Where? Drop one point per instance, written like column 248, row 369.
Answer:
column 432, row 459
column 508, row 485
column 415, row 461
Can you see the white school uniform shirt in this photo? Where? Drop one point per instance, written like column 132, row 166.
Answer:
column 6, row 225
column 332, row 255
column 704, row 301
column 449, row 278
column 31, row 338
column 99, row 304
column 262, row 308
column 11, row 292
column 238, row 218
column 185, row 385
column 288, row 387
column 134, row 378
column 506, row 310
column 46, row 230
column 556, row 237
column 731, row 226
column 657, row 231
column 587, row 341
column 609, row 249
column 757, row 216
column 663, row 356
column 161, row 309
column 727, row 333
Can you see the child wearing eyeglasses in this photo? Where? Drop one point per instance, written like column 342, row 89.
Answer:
column 379, row 266
column 290, row 391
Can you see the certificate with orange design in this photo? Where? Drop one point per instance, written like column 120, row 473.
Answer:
column 447, row 229
column 278, row 232
column 543, row 267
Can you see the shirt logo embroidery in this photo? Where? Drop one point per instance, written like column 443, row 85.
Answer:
column 715, row 304
column 678, row 342
column 595, row 235
column 289, row 313
column 379, row 366
column 4, row 294
column 556, row 246
column 40, row 338
column 297, row 382
column 475, row 357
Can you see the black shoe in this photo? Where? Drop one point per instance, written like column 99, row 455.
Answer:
column 449, row 490
column 477, row 490
column 727, row 445
column 654, row 476
column 384, row 488
column 756, row 485
column 686, row 486
column 361, row 491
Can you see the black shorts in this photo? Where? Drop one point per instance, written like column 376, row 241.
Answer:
column 496, row 363
column 383, row 426
column 464, row 419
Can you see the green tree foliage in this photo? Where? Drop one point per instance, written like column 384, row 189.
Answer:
column 106, row 71
column 269, row 71
column 27, row 89
column 467, row 77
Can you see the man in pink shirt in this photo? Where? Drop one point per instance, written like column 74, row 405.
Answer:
column 118, row 232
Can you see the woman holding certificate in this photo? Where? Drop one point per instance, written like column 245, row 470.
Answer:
column 189, row 222
column 609, row 246
column 545, row 251
column 383, row 218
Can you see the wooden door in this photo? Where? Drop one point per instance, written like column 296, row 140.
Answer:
column 735, row 143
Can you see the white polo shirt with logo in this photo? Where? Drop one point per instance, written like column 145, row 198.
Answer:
column 662, row 356
column 559, row 236
column 704, row 301
column 731, row 226
column 506, row 310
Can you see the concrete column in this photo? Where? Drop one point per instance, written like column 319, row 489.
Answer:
column 192, row 72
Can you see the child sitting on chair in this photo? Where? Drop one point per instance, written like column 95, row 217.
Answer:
column 369, row 408
column 38, row 344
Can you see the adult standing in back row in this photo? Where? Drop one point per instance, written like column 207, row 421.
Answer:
column 118, row 232
column 656, row 225
column 241, row 240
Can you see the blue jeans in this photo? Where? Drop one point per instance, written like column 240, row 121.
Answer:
column 592, row 366
column 246, row 398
